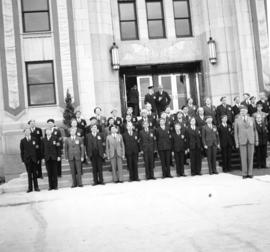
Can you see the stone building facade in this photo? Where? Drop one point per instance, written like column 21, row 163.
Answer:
column 49, row 46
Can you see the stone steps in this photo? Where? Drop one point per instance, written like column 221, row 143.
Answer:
column 20, row 184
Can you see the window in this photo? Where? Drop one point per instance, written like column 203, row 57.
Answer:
column 128, row 19
column 182, row 18
column 35, row 14
column 40, row 83
column 155, row 19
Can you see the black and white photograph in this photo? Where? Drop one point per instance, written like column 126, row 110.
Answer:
column 135, row 125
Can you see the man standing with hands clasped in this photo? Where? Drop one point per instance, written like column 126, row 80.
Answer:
column 246, row 136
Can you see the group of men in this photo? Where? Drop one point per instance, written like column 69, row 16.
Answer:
column 190, row 133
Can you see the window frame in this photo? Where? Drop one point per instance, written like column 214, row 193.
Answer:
column 35, row 11
column 185, row 18
column 38, row 84
column 156, row 19
column 128, row 21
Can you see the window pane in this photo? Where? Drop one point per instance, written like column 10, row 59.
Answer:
column 128, row 30
column 127, row 11
column 41, row 94
column 34, row 5
column 154, row 10
column 38, row 21
column 40, row 73
column 156, row 29
column 181, row 9
column 182, row 27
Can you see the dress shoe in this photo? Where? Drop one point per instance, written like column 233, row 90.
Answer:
column 250, row 176
column 50, row 189
column 73, row 186
column 215, row 172
column 120, row 181
column 183, row 175
column 102, row 183
column 29, row 190
column 80, row 185
column 199, row 174
column 37, row 189
column 245, row 177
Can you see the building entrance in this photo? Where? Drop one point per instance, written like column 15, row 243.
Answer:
column 180, row 83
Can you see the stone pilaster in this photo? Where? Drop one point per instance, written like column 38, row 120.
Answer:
column 107, row 91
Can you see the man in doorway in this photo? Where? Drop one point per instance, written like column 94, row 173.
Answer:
column 150, row 98
column 245, row 136
column 133, row 100
column 162, row 100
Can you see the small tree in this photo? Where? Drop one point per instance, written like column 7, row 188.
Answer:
column 69, row 110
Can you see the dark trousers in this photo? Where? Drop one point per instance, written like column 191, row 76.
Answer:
column 39, row 169
column 211, row 153
column 165, row 158
column 261, row 152
column 195, row 161
column 75, row 167
column 59, row 168
column 51, row 166
column 31, row 168
column 97, row 162
column 132, row 164
column 148, row 156
column 226, row 153
column 179, row 160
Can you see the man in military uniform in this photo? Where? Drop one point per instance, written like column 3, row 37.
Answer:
column 162, row 100
column 37, row 133
column 224, row 109
column 151, row 98
column 58, row 135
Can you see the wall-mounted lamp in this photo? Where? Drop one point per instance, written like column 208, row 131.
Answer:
column 115, row 57
column 212, row 51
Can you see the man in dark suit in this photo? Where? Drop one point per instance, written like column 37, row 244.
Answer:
column 56, row 133
column 133, row 99
column 209, row 109
column 179, row 145
column 117, row 120
column 95, row 149
column 236, row 106
column 163, row 137
column 151, row 98
column 131, row 142
column 210, row 140
column 147, row 147
column 226, row 143
column 261, row 149
column 101, row 120
column 29, row 156
column 81, row 123
column 37, row 133
column 194, row 147
column 264, row 101
column 152, row 117
column 224, row 109
column 51, row 153
column 74, row 153
column 162, row 100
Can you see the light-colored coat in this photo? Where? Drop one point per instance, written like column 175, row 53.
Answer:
column 245, row 132
column 115, row 146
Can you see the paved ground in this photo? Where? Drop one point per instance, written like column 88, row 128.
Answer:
column 206, row 213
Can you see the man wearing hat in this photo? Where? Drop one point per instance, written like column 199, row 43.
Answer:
column 252, row 108
column 210, row 140
column 162, row 100
column 236, row 106
column 58, row 135
column 151, row 98
column 246, row 102
column 245, row 136
column 37, row 133
column 224, row 109
column 226, row 143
